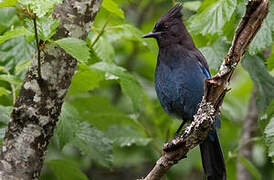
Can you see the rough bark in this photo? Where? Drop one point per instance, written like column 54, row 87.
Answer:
column 215, row 90
column 38, row 106
column 248, row 132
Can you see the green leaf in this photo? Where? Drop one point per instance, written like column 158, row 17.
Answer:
column 40, row 7
column 263, row 38
column 270, row 15
column 4, row 92
column 100, row 112
column 84, row 80
column 11, row 79
column 263, row 80
column 102, row 48
column 22, row 66
column 15, row 51
column 14, row 33
column 215, row 53
column 193, row 6
column 125, row 32
column 270, row 61
column 4, row 120
column 112, row 6
column 251, row 168
column 75, row 47
column 5, row 114
column 46, row 27
column 267, row 123
column 212, row 19
column 65, row 169
column 130, row 86
column 7, row 18
column 2, row 134
column 67, row 125
column 126, row 136
column 6, row 3
column 93, row 142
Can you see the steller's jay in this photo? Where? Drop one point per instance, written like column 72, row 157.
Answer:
column 179, row 82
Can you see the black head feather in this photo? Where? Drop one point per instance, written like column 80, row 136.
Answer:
column 168, row 19
column 174, row 12
column 169, row 29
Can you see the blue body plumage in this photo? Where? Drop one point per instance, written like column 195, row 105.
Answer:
column 179, row 83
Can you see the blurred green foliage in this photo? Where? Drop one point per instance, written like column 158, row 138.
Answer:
column 112, row 125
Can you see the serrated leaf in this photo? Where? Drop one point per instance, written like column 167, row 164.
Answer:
column 263, row 39
column 215, row 53
column 251, row 168
column 84, row 80
column 270, row 61
column 7, row 3
column 14, row 33
column 15, row 51
column 112, row 6
column 126, row 136
column 65, row 169
column 263, row 80
column 4, row 92
column 100, row 112
column 40, row 7
column 67, row 125
column 130, row 86
column 212, row 19
column 11, row 79
column 93, row 142
column 46, row 27
column 75, row 47
column 22, row 66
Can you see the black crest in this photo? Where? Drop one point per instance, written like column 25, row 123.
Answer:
column 174, row 12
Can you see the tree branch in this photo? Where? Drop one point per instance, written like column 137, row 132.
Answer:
column 215, row 90
column 39, row 104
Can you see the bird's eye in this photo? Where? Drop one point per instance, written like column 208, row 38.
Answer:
column 162, row 27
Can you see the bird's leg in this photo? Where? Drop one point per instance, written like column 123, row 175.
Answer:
column 178, row 132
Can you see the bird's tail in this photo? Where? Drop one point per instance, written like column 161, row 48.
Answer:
column 212, row 157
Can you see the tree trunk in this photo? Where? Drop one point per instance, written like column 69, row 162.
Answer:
column 39, row 104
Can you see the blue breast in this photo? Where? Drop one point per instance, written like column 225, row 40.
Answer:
column 179, row 84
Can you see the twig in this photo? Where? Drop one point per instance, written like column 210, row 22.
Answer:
column 101, row 32
column 215, row 90
column 38, row 48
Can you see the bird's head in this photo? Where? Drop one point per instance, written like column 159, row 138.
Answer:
column 169, row 28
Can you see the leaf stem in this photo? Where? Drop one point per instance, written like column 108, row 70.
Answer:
column 38, row 49
column 101, row 32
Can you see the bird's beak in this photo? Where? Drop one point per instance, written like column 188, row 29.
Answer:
column 152, row 35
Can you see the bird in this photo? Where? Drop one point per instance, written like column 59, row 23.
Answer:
column 179, row 83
